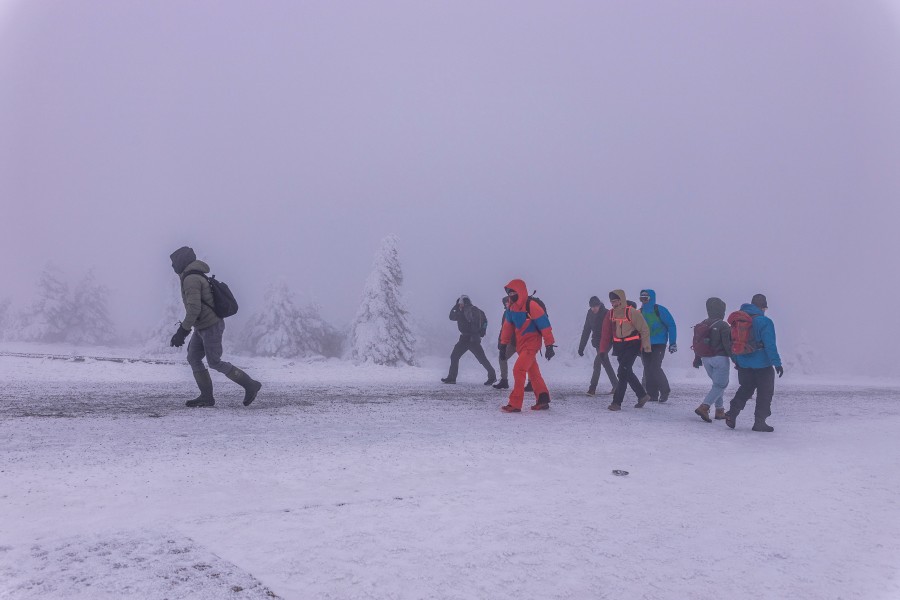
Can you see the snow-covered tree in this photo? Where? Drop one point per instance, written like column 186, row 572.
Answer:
column 382, row 331
column 158, row 337
column 89, row 322
column 48, row 317
column 5, row 319
column 285, row 328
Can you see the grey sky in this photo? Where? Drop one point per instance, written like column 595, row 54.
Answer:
column 582, row 146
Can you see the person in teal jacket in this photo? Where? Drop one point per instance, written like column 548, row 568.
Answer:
column 662, row 332
column 756, row 370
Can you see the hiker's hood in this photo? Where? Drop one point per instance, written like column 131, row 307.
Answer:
column 715, row 308
column 197, row 265
column 522, row 290
column 621, row 295
column 752, row 310
column 463, row 299
column 650, row 303
column 181, row 258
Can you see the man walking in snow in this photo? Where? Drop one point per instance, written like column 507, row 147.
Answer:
column 471, row 323
column 625, row 330
column 593, row 327
column 208, row 330
column 756, row 367
column 662, row 331
column 503, row 384
column 712, row 347
column 527, row 320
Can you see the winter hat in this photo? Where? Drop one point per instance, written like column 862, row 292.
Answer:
column 181, row 258
column 759, row 301
column 464, row 299
column 614, row 296
column 594, row 301
column 715, row 308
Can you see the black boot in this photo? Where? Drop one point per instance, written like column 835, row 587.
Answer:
column 528, row 387
column 543, row 402
column 448, row 380
column 761, row 425
column 730, row 419
column 204, row 382
column 491, row 379
column 503, row 384
column 251, row 387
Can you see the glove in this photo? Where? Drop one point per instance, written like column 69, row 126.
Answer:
column 581, row 352
column 779, row 370
column 550, row 353
column 697, row 362
column 502, row 351
column 673, row 348
column 179, row 337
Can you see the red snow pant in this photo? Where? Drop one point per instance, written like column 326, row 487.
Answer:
column 526, row 364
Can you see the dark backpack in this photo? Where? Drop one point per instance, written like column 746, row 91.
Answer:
column 537, row 301
column 743, row 340
column 224, row 302
column 701, row 345
column 482, row 321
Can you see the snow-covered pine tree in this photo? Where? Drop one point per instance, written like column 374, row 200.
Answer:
column 158, row 337
column 275, row 329
column 382, row 331
column 48, row 318
column 89, row 322
column 318, row 336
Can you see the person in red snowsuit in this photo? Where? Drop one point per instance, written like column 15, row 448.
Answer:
column 528, row 321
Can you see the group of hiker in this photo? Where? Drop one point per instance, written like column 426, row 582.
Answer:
column 746, row 339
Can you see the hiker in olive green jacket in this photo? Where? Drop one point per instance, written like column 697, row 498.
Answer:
column 208, row 329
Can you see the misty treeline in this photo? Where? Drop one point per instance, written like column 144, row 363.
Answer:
column 284, row 326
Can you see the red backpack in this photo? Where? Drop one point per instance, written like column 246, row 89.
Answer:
column 743, row 340
column 701, row 344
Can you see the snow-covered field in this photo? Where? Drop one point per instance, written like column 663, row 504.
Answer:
column 351, row 482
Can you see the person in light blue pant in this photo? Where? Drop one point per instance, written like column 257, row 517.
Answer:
column 712, row 349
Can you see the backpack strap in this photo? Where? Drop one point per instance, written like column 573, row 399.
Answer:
column 203, row 275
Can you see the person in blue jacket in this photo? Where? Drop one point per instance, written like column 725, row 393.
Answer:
column 756, row 370
column 662, row 332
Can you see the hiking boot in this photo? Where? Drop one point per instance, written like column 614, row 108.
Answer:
column 663, row 397
column 490, row 380
column 642, row 402
column 614, row 406
column 251, row 386
column 592, row 392
column 543, row 402
column 703, row 412
column 761, row 425
column 528, row 387
column 720, row 414
column 204, row 382
column 448, row 380
column 509, row 408
column 503, row 384
column 730, row 420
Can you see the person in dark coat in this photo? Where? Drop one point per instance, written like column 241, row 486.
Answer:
column 593, row 326
column 469, row 319
column 503, row 384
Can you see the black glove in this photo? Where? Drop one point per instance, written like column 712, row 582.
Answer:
column 779, row 370
column 581, row 352
column 550, row 353
column 673, row 348
column 697, row 362
column 179, row 337
column 502, row 351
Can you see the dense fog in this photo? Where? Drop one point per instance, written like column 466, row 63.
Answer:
column 694, row 147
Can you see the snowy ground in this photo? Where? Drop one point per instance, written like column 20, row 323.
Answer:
column 345, row 482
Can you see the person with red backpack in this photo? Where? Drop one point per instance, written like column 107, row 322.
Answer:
column 527, row 319
column 755, row 355
column 712, row 347
column 626, row 331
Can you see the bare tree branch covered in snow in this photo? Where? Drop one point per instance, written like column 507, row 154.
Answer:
column 90, row 322
column 382, row 331
column 286, row 328
column 48, row 318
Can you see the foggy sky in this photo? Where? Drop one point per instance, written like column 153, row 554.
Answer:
column 695, row 147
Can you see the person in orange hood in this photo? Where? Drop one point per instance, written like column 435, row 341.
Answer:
column 625, row 329
column 528, row 321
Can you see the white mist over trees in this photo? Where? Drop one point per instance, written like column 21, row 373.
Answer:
column 159, row 336
column 286, row 328
column 47, row 318
column 89, row 320
column 382, row 332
